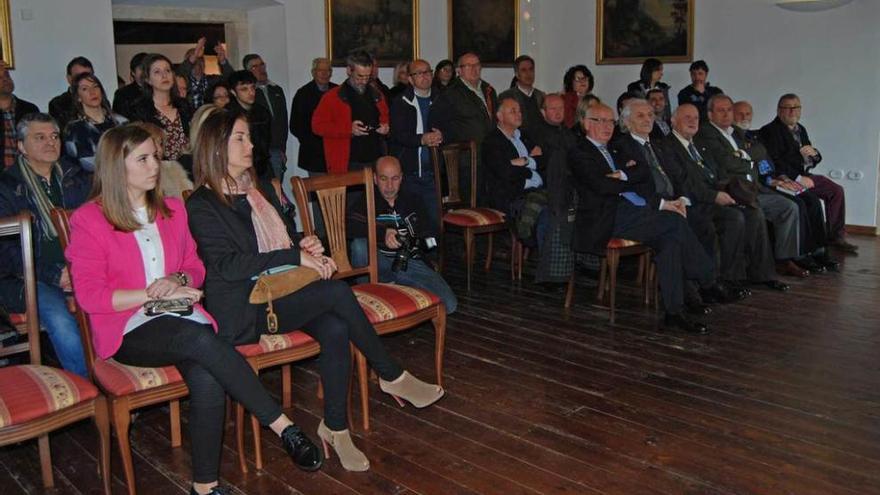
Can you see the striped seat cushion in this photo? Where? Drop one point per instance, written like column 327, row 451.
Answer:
column 616, row 243
column 383, row 302
column 121, row 379
column 275, row 342
column 29, row 391
column 473, row 217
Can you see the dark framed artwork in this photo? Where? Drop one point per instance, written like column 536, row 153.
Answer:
column 489, row 28
column 6, row 34
column 629, row 31
column 387, row 29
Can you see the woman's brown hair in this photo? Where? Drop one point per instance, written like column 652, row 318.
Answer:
column 211, row 153
column 110, row 186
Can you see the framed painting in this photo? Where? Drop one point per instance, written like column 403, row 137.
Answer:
column 629, row 31
column 6, row 34
column 489, row 28
column 387, row 29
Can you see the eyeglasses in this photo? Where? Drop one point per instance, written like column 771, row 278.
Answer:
column 422, row 73
column 798, row 107
column 601, row 121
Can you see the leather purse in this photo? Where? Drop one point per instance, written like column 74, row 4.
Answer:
column 276, row 285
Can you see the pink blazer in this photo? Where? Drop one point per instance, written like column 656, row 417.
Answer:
column 103, row 259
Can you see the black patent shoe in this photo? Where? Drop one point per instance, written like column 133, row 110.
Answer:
column 681, row 323
column 777, row 285
column 697, row 308
column 810, row 264
column 305, row 454
column 217, row 490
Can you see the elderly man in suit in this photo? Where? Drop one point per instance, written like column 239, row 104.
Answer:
column 726, row 146
column 794, row 155
column 740, row 230
column 617, row 198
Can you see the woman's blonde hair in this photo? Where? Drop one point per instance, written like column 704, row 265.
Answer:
column 211, row 153
column 110, row 184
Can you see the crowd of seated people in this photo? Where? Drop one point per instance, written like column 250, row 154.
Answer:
column 726, row 208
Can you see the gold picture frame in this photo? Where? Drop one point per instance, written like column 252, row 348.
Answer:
column 662, row 29
column 373, row 25
column 479, row 28
column 6, row 34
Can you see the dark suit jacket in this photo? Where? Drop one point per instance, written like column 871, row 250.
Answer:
column 276, row 104
column 311, row 146
column 783, row 149
column 701, row 183
column 504, row 182
column 555, row 141
column 722, row 153
column 626, row 148
column 405, row 138
column 227, row 244
column 461, row 116
column 598, row 195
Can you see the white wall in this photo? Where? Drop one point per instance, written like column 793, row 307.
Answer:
column 57, row 32
column 757, row 51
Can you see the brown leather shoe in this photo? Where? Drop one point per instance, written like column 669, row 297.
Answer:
column 790, row 269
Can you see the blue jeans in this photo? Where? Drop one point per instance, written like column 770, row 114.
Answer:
column 424, row 187
column 418, row 274
column 61, row 327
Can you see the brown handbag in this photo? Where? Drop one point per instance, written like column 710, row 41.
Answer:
column 277, row 285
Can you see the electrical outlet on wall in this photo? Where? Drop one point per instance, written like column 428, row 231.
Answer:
column 835, row 174
column 855, row 175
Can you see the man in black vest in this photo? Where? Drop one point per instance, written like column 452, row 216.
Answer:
column 311, row 146
column 271, row 97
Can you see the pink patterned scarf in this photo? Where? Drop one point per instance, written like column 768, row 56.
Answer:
column 270, row 229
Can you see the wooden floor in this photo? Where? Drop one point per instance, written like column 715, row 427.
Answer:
column 782, row 398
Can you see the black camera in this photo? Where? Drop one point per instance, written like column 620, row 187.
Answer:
column 409, row 244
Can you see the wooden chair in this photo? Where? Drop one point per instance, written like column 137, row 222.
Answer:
column 128, row 387
column 463, row 215
column 36, row 399
column 389, row 307
column 614, row 251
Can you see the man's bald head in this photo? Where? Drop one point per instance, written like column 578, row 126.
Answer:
column 388, row 177
column 686, row 120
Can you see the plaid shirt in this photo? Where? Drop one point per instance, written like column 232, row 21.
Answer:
column 197, row 89
column 10, row 149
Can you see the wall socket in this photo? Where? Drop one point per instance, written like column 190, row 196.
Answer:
column 855, row 175
column 835, row 174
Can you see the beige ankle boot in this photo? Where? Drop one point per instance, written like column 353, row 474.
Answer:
column 351, row 458
column 413, row 390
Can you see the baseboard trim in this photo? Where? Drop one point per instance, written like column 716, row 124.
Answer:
column 861, row 230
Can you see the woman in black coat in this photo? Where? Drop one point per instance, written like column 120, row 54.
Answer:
column 649, row 78
column 240, row 232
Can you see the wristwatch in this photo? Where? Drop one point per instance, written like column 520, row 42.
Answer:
column 182, row 278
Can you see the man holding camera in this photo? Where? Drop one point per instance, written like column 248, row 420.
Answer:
column 400, row 234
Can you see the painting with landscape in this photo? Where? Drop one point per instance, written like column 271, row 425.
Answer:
column 629, row 31
column 488, row 28
column 387, row 29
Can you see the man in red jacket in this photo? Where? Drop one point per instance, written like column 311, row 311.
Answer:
column 353, row 119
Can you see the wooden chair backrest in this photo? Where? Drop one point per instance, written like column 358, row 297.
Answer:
column 450, row 156
column 61, row 220
column 331, row 191
column 20, row 225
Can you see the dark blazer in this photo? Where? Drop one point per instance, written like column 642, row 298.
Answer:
column 504, row 182
column 626, row 148
column 406, row 137
column 598, row 195
column 311, row 146
column 22, row 108
column 555, row 141
column 227, row 244
column 783, row 149
column 124, row 99
column 701, row 183
column 276, row 104
column 722, row 153
column 460, row 114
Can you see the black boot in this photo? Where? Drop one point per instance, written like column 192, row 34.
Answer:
column 305, row 454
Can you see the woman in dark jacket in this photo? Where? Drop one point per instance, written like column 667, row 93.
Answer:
column 241, row 233
column 649, row 78
column 93, row 118
column 444, row 73
column 160, row 106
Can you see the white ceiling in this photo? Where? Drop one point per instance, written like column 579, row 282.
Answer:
column 210, row 4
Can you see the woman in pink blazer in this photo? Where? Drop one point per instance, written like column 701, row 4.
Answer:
column 130, row 246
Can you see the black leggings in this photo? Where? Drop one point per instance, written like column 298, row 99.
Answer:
column 211, row 368
column 329, row 312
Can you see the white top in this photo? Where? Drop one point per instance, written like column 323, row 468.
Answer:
column 153, row 256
